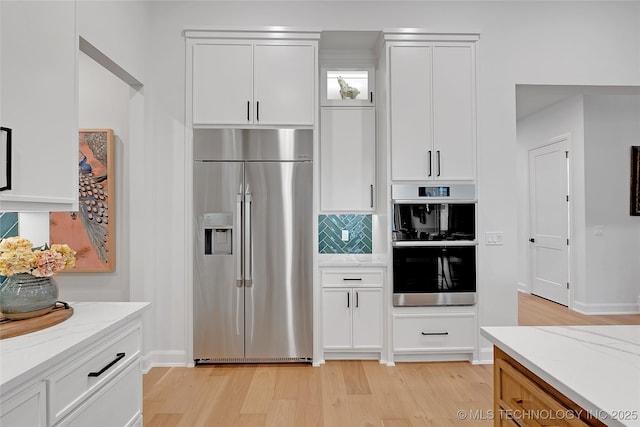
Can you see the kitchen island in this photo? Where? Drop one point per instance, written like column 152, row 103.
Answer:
column 83, row 370
column 566, row 375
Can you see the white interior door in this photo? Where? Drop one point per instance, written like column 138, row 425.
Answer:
column 549, row 221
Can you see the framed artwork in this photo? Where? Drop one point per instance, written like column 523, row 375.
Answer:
column 635, row 180
column 5, row 158
column 91, row 230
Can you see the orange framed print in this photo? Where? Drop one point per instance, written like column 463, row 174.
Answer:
column 91, row 230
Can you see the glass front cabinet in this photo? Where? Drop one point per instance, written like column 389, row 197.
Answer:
column 348, row 86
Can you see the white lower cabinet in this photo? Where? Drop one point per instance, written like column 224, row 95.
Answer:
column 434, row 333
column 26, row 408
column 352, row 312
column 97, row 383
column 79, row 380
column 118, row 403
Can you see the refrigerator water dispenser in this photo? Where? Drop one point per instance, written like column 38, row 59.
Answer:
column 218, row 233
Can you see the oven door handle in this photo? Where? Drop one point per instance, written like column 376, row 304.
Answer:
column 432, row 243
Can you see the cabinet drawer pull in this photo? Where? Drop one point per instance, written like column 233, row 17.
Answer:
column 429, row 163
column 248, row 108
column 357, row 300
column 113, row 362
column 371, row 96
column 348, row 300
column 258, row 111
column 351, row 278
column 438, row 157
column 435, row 333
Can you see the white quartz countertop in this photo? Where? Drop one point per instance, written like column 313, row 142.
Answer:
column 24, row 356
column 598, row 367
column 352, row 260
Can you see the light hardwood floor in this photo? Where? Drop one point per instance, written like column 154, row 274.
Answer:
column 339, row 393
column 536, row 311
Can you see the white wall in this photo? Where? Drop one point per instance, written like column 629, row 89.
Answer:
column 104, row 103
column 602, row 128
column 563, row 118
column 612, row 126
column 521, row 42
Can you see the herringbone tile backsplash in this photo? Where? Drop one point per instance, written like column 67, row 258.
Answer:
column 330, row 234
column 8, row 228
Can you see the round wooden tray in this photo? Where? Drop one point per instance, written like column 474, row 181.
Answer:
column 13, row 328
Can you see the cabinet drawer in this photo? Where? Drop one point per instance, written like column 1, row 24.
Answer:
column 78, row 379
column 118, row 404
column 352, row 278
column 417, row 333
column 529, row 404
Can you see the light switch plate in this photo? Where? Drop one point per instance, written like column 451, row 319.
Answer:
column 494, row 238
column 345, row 235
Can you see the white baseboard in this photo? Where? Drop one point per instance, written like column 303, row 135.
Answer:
column 524, row 287
column 163, row 358
column 486, row 356
column 606, row 309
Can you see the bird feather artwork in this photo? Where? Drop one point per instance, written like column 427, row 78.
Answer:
column 90, row 230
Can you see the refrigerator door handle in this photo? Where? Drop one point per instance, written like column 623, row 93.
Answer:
column 238, row 241
column 248, row 274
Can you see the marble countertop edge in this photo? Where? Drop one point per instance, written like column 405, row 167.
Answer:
column 584, row 398
column 19, row 364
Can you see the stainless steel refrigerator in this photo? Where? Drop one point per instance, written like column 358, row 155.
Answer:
column 252, row 291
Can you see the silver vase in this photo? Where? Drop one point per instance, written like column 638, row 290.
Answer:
column 23, row 296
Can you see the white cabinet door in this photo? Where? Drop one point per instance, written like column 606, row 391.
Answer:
column 432, row 99
column 411, row 127
column 27, row 408
column 284, row 77
column 336, row 318
column 347, row 159
column 38, row 101
column 223, row 83
column 453, row 112
column 367, row 318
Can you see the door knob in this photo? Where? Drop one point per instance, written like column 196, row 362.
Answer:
column 532, row 240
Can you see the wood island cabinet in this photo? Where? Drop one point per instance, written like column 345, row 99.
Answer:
column 523, row 399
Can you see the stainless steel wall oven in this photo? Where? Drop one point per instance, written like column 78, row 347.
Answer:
column 434, row 245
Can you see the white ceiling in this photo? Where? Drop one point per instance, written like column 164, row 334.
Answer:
column 533, row 98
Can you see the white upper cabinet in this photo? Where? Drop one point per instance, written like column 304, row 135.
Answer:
column 223, row 83
column 284, row 78
column 38, row 102
column 411, row 119
column 432, row 109
column 347, row 158
column 454, row 127
column 250, row 82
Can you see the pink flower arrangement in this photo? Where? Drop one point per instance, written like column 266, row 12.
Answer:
column 17, row 255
